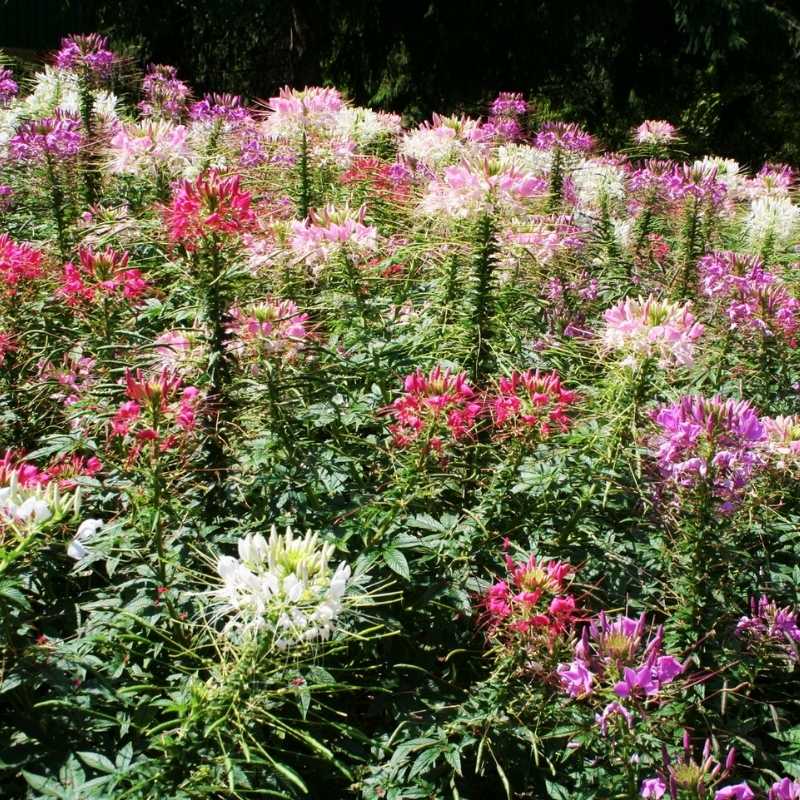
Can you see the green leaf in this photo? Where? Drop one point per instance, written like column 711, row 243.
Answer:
column 396, row 562
column 97, row 761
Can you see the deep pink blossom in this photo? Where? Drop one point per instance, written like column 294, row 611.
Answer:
column 531, row 402
column 8, row 86
column 209, row 206
column 566, row 136
column 433, row 409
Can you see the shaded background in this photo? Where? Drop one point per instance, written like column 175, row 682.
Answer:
column 726, row 71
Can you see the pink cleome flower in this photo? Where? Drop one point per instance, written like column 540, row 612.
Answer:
column 434, row 408
column 269, row 329
column 332, row 231
column 19, row 265
column 55, row 138
column 101, row 274
column 655, row 131
column 651, row 328
column 531, row 402
column 209, row 206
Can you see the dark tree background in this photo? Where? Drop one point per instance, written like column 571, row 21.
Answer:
column 726, row 71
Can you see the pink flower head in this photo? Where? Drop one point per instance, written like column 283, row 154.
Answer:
column 331, row 231
column 209, row 206
column 8, row 86
column 651, row 328
column 576, row 679
column 613, row 710
column 164, row 95
column 20, row 264
column 101, row 273
column 469, row 190
column 565, row 136
column 433, row 406
column 147, row 148
column 782, row 443
column 771, row 626
column 268, row 330
column 310, row 102
column 655, row 131
column 87, row 52
column 531, row 402
column 509, row 104
column 56, row 138
column 653, row 788
column 741, row 791
column 785, row 789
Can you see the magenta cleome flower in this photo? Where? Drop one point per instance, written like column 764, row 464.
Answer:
column 771, row 626
column 53, row 138
column 164, row 94
column 219, row 107
column 434, row 409
column 87, row 52
column 785, row 789
column 708, row 442
column 531, row 403
column 565, row 136
column 8, row 86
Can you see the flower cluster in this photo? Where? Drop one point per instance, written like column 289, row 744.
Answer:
column 643, row 329
column 772, row 222
column 330, row 231
column 531, row 402
column 469, row 190
column 698, row 778
column 145, row 149
column 101, row 274
column 771, row 627
column 434, row 408
column 157, row 409
column 709, row 444
column 782, row 442
column 531, row 605
column 655, row 131
column 164, row 94
column 785, row 789
column 271, row 329
column 564, row 136
column 219, row 107
column 209, row 206
column 616, row 662
column 8, row 86
column 32, row 503
column 87, row 52
column 51, row 138
column 293, row 110
column 282, row 588
column 752, row 297
column 19, row 264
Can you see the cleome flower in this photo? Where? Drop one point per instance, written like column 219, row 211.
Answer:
column 434, row 408
column 282, row 588
column 641, row 329
column 531, row 607
column 29, row 505
column 531, row 402
column 711, row 443
column 771, row 627
column 655, row 131
column 330, row 231
column 209, row 206
column 268, row 330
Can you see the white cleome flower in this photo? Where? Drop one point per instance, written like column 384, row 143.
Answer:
column 86, row 530
column 282, row 587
